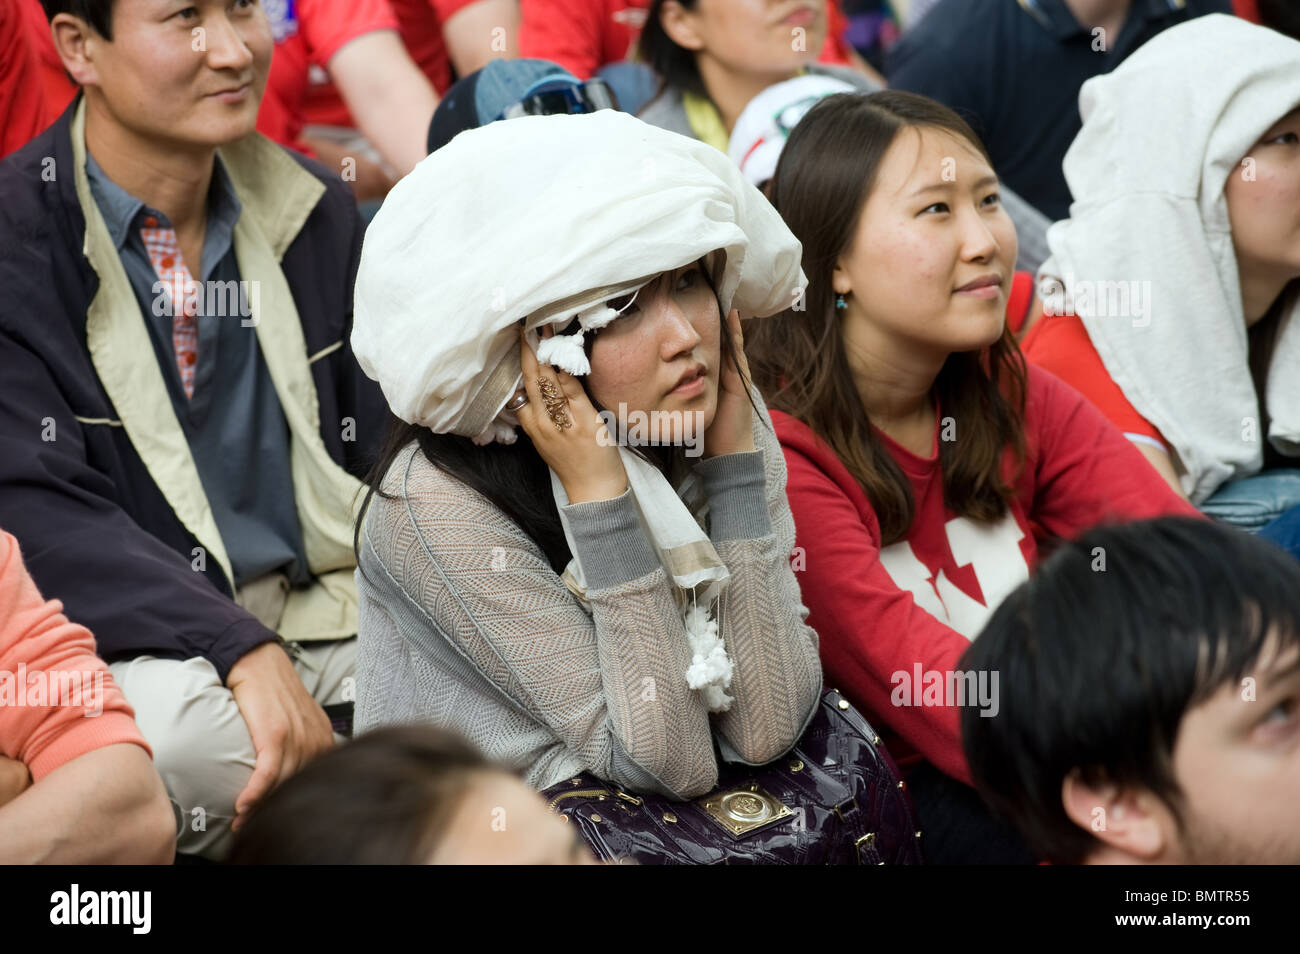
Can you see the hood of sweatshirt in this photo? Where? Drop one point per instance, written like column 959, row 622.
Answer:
column 1146, row 258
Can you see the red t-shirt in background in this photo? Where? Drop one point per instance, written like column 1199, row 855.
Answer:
column 59, row 88
column 584, row 35
column 882, row 610
column 321, row 29
column 420, row 23
column 22, row 100
column 1060, row 343
column 1019, row 298
column 34, row 87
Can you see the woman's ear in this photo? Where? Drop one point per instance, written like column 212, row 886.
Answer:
column 682, row 26
column 1129, row 822
column 840, row 281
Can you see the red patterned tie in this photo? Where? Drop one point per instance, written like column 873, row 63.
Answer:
column 165, row 254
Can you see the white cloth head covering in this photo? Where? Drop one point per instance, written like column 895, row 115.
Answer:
column 1161, row 135
column 545, row 218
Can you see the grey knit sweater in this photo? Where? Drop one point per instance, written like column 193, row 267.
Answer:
column 464, row 624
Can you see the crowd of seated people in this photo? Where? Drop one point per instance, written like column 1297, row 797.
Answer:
column 325, row 326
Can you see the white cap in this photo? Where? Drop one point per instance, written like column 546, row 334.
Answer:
column 761, row 130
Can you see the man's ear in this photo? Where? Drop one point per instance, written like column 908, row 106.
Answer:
column 1130, row 822
column 76, row 42
column 681, row 25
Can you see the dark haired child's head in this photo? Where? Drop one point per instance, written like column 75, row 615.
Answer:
column 154, row 70
column 1150, row 699
column 407, row 795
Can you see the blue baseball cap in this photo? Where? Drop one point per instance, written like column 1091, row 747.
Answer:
column 507, row 88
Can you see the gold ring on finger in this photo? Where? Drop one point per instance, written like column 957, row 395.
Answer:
column 556, row 404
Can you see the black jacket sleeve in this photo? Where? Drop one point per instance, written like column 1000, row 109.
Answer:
column 136, row 595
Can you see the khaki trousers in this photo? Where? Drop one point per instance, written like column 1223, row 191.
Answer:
column 201, row 746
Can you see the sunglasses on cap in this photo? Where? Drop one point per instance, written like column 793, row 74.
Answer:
column 569, row 98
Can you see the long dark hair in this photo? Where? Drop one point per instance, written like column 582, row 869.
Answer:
column 513, row 477
column 1261, row 342
column 798, row 359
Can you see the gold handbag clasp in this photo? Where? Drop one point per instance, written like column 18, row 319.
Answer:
column 742, row 810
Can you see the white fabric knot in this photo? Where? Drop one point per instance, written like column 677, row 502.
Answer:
column 564, row 352
column 597, row 316
column 711, row 668
column 498, row 431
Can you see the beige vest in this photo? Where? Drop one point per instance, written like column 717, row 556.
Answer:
column 277, row 196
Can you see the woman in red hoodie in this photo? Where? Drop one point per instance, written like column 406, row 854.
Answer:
column 926, row 461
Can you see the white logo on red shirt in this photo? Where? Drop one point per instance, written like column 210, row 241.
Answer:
column 992, row 550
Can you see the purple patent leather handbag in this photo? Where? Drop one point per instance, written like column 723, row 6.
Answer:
column 835, row 798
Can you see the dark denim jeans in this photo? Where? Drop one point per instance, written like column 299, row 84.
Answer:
column 1285, row 531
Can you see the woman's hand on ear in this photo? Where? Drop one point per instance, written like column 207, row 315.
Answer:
column 583, row 455
column 732, row 430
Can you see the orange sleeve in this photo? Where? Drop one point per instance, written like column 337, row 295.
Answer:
column 58, row 700
column 1060, row 344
